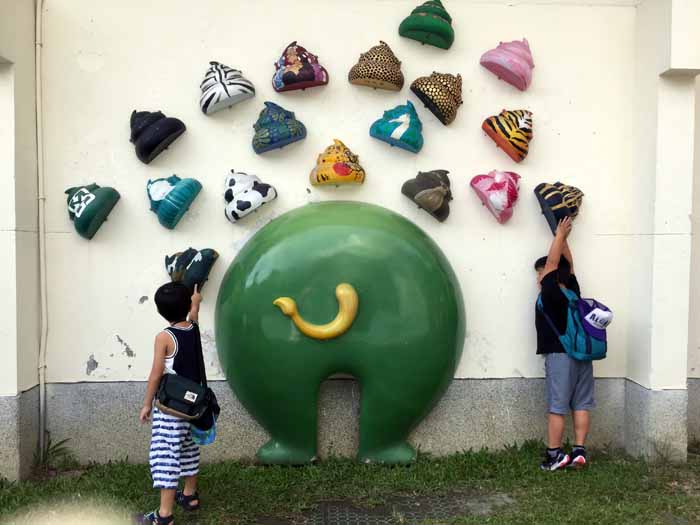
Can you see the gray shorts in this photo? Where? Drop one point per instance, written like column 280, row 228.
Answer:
column 569, row 384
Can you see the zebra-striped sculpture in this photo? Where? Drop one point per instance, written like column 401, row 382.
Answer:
column 223, row 87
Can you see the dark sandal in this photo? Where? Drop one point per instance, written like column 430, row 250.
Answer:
column 153, row 517
column 186, row 501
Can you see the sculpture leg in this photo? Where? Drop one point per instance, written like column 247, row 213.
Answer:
column 387, row 415
column 291, row 421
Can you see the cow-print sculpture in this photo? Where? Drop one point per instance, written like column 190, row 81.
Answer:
column 245, row 193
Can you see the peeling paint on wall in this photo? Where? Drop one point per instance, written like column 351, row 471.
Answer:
column 91, row 365
column 127, row 349
column 211, row 357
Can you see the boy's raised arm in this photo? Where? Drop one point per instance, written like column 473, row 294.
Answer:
column 566, row 252
column 558, row 244
column 194, row 309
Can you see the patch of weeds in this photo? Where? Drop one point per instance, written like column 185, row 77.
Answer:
column 54, row 458
column 694, row 447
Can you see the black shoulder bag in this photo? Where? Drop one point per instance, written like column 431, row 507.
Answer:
column 187, row 399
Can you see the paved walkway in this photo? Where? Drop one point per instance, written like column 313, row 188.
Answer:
column 400, row 510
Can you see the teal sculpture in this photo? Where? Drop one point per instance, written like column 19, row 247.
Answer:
column 275, row 128
column 400, row 127
column 191, row 267
column 89, row 206
column 339, row 287
column 171, row 198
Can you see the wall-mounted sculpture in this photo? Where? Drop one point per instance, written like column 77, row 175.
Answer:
column 171, row 198
column 374, row 297
column 275, row 128
column 337, row 165
column 191, row 266
column 558, row 201
column 498, row 191
column 89, row 206
column 153, row 132
column 430, row 190
column 297, row 68
column 512, row 62
column 511, row 131
column 378, row 68
column 244, row 194
column 400, row 127
column 223, row 87
column 429, row 23
column 441, row 93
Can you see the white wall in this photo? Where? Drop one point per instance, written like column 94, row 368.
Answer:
column 104, row 60
column 18, row 215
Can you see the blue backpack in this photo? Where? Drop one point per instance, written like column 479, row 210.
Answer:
column 585, row 336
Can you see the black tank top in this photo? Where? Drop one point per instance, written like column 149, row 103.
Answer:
column 188, row 347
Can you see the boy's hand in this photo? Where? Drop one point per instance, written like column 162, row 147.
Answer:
column 196, row 296
column 145, row 414
column 564, row 228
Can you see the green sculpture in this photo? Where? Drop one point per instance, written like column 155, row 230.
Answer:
column 429, row 23
column 378, row 300
column 89, row 206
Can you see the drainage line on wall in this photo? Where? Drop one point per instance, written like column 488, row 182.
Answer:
column 41, row 197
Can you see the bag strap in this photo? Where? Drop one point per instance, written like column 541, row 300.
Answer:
column 200, row 359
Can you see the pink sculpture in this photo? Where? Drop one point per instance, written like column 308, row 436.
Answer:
column 498, row 191
column 512, row 62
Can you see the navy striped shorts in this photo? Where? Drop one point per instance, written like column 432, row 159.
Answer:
column 173, row 454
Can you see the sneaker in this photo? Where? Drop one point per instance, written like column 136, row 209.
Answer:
column 555, row 463
column 153, row 517
column 578, row 459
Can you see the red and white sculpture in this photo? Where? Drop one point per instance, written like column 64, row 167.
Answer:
column 498, row 191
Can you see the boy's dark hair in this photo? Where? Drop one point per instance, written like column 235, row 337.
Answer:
column 563, row 271
column 173, row 301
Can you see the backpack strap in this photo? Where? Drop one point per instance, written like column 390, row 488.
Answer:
column 540, row 307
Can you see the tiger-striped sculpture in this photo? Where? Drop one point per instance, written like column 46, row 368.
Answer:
column 511, row 131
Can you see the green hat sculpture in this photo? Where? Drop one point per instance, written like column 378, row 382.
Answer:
column 89, row 206
column 429, row 23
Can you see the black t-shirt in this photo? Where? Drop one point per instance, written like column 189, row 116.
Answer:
column 556, row 305
column 188, row 347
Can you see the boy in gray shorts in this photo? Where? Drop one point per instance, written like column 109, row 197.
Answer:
column 569, row 383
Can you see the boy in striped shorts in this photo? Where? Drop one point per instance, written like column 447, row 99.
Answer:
column 173, row 454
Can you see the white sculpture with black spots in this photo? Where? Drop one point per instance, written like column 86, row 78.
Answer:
column 244, row 194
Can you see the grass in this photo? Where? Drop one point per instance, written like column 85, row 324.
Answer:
column 613, row 489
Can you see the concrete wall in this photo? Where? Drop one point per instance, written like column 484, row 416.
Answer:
column 98, row 71
column 473, row 414
column 626, row 144
column 19, row 304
